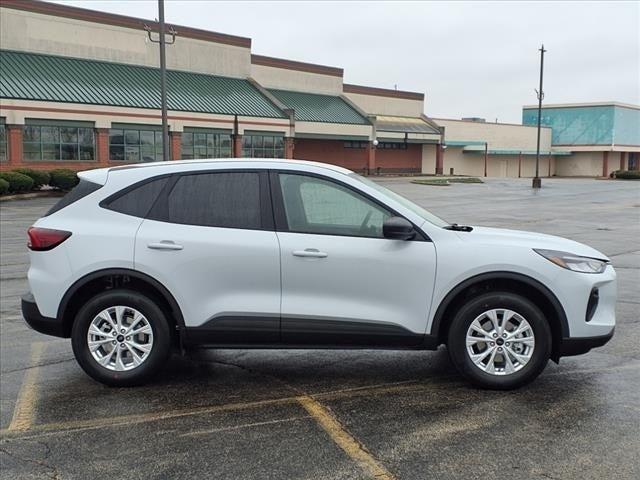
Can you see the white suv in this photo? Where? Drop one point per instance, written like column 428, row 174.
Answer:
column 139, row 260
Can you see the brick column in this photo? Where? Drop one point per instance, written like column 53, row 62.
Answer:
column 175, row 140
column 237, row 146
column 623, row 162
column 288, row 147
column 439, row 159
column 14, row 144
column 102, row 146
column 371, row 158
column 605, row 164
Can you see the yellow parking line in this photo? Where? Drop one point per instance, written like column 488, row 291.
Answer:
column 25, row 408
column 344, row 439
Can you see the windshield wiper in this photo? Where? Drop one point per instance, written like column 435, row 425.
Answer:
column 458, row 228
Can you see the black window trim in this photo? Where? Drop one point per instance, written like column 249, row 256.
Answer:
column 159, row 211
column 280, row 217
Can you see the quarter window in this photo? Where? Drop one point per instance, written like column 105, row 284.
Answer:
column 140, row 199
column 203, row 144
column 315, row 205
column 52, row 143
column 230, row 200
column 263, row 146
column 134, row 145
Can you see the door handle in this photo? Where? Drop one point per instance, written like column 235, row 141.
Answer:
column 310, row 253
column 165, row 245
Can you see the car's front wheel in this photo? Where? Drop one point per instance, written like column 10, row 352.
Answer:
column 121, row 338
column 499, row 340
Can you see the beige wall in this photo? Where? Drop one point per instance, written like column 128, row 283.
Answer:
column 586, row 164
column 287, row 79
column 103, row 116
column 497, row 165
column 498, row 135
column 429, row 159
column 34, row 32
column 334, row 129
column 378, row 105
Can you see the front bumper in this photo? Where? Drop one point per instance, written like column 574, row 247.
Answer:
column 40, row 323
column 577, row 346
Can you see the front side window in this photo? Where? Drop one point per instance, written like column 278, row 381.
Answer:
column 315, row 205
column 134, row 145
column 225, row 199
column 262, row 146
column 52, row 143
column 203, row 144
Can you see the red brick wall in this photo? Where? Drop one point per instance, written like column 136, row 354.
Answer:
column 400, row 161
column 331, row 151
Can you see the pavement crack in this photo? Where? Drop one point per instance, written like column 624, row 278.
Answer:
column 52, row 470
column 38, row 365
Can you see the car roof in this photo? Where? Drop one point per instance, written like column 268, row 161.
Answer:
column 213, row 161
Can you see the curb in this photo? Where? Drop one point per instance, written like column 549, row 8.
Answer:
column 28, row 196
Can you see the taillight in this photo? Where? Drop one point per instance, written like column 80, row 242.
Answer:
column 41, row 239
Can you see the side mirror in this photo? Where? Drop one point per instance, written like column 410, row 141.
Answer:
column 398, row 228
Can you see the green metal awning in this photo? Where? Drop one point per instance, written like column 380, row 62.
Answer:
column 30, row 76
column 313, row 107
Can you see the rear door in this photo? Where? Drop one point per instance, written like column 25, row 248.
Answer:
column 210, row 240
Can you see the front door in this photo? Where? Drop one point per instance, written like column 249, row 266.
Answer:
column 342, row 282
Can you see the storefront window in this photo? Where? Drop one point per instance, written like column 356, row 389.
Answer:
column 52, row 143
column 135, row 144
column 3, row 142
column 206, row 144
column 262, row 146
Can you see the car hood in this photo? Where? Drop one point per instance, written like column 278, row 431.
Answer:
column 500, row 236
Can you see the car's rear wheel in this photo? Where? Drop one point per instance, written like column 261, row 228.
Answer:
column 499, row 340
column 121, row 338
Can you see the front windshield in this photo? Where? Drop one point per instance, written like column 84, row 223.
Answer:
column 428, row 216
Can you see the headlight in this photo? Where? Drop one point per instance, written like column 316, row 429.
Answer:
column 574, row 262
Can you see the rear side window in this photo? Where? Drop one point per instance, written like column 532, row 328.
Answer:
column 137, row 201
column 225, row 199
column 84, row 188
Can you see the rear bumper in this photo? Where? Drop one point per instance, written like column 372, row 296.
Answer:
column 40, row 323
column 577, row 346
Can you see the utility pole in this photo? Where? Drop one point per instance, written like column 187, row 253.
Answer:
column 537, row 182
column 163, row 74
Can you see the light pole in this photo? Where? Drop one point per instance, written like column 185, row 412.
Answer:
column 163, row 74
column 537, row 182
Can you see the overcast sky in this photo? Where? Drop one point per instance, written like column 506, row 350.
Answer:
column 470, row 58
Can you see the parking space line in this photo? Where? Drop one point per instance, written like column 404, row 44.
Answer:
column 371, row 390
column 25, row 408
column 344, row 439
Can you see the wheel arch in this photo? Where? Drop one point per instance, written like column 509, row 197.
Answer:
column 512, row 282
column 112, row 278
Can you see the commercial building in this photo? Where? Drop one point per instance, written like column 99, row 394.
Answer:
column 602, row 137
column 80, row 89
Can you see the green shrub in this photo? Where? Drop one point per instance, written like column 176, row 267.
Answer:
column 627, row 174
column 4, row 186
column 18, row 182
column 63, row 179
column 39, row 177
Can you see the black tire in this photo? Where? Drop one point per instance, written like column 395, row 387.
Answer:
column 456, row 342
column 161, row 338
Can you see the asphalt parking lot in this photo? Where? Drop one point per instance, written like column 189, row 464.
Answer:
column 236, row 414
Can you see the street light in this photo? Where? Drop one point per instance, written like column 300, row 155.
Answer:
column 537, row 182
column 163, row 74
